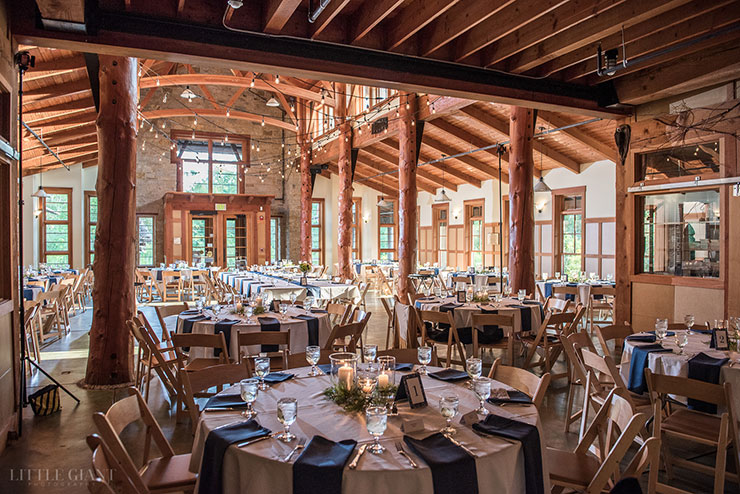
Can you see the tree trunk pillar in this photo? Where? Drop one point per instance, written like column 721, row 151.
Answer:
column 345, row 199
column 407, row 194
column 304, row 143
column 521, row 200
column 110, row 358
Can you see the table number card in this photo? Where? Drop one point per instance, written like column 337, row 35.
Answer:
column 410, row 388
column 461, row 297
column 720, row 339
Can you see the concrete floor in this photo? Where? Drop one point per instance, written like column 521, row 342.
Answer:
column 52, row 455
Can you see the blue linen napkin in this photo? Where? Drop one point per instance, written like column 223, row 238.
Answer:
column 705, row 368
column 225, row 328
column 701, row 331
column 515, row 396
column 312, row 326
column 548, row 290
column 627, row 485
column 534, row 302
column 526, row 316
column 449, row 375
column 217, row 442
column 225, row 401
column 644, row 338
column 638, row 362
column 453, row 469
column 278, row 377
column 531, row 447
column 319, row 311
column 325, row 368
column 570, row 296
column 404, row 367
column 321, row 465
column 269, row 324
column 28, row 293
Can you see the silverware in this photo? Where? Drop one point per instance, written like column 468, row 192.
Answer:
column 223, row 409
column 403, row 453
column 252, row 441
column 356, row 459
column 459, row 444
column 300, row 446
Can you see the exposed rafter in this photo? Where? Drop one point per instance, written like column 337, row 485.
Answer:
column 212, row 112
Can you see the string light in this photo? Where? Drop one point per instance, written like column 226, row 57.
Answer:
column 228, row 112
column 263, row 121
column 195, row 122
column 251, row 84
column 277, row 79
column 164, row 98
column 157, row 81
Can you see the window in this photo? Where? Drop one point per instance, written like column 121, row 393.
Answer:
column 475, row 238
column 381, row 93
column 56, row 227
column 91, row 222
column 145, row 234
column 317, row 232
column 680, row 233
column 355, row 229
column 236, row 240
column 571, row 248
column 440, row 220
column 201, row 239
column 387, row 231
column 682, row 161
column 275, row 237
column 210, row 163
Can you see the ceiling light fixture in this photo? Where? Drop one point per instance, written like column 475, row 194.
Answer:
column 272, row 102
column 188, row 94
column 235, row 4
column 541, row 186
column 443, row 197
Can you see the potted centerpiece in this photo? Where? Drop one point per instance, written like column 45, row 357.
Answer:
column 305, row 267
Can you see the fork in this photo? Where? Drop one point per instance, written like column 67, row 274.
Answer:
column 300, row 446
column 403, row 453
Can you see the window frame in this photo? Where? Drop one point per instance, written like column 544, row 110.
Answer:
column 43, row 253
column 558, row 198
column 210, row 138
column 469, row 218
column 320, row 225
column 90, row 247
column 357, row 228
column 276, row 243
column 153, row 216
column 393, row 251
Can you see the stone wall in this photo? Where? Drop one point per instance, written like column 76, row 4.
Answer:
column 156, row 175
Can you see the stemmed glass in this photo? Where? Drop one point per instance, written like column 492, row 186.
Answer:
column 313, row 354
column 474, row 366
column 681, row 341
column 293, row 298
column 661, row 328
column 689, row 321
column 482, row 389
column 249, row 310
column 283, row 310
column 369, row 352
column 248, row 389
column 287, row 411
column 521, row 295
column 377, row 421
column 261, row 369
column 448, row 407
column 424, row 354
column 308, row 303
column 469, row 295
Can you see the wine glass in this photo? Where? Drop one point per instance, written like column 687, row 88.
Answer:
column 369, row 352
column 689, row 321
column 557, row 275
column 437, row 291
column 308, row 303
column 248, row 389
column 474, row 366
column 261, row 369
column 376, row 420
column 681, row 341
column 313, row 354
column 283, row 310
column 469, row 295
column 249, row 310
column 482, row 389
column 448, row 405
column 661, row 328
column 424, row 354
column 521, row 295
column 287, row 411
column 293, row 298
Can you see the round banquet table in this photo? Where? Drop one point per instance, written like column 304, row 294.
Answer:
column 674, row 364
column 298, row 329
column 463, row 315
column 258, row 468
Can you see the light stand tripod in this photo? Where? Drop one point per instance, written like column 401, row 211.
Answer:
column 24, row 61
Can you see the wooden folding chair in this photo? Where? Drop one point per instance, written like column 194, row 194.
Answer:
column 338, row 338
column 338, row 312
column 166, row 473
column 616, row 333
column 533, row 386
column 296, row 360
column 547, row 339
column 433, row 335
column 615, row 427
column 31, row 326
column 505, row 322
column 143, row 286
column 600, row 300
column 152, row 358
column 408, row 355
column 170, row 287
column 562, row 292
column 165, row 311
column 50, row 314
column 554, row 304
column 109, row 478
column 198, row 383
column 572, row 345
column 184, row 343
column 685, row 425
column 278, row 359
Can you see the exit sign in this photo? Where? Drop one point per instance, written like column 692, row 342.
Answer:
column 220, row 207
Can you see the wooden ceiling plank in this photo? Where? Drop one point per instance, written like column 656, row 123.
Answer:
column 68, row 158
column 68, row 10
column 413, row 18
column 422, row 176
column 374, row 183
column 508, row 20
column 77, row 104
column 469, row 160
column 330, row 12
column 65, row 63
column 369, row 15
column 212, row 112
column 471, row 140
column 81, row 139
column 277, row 13
column 603, row 149
column 587, row 32
column 60, row 150
column 421, row 183
column 66, row 118
column 53, row 90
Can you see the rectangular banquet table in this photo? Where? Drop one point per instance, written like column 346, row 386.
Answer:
column 584, row 289
column 281, row 286
column 258, row 468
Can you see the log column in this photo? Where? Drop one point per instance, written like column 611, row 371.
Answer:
column 110, row 359
column 345, row 188
column 407, row 193
column 304, row 142
column 521, row 200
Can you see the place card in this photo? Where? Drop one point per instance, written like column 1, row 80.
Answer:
column 410, row 425
column 469, row 418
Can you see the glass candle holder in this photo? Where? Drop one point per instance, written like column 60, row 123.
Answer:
column 386, row 371
column 343, row 369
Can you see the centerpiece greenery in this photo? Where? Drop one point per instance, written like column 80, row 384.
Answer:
column 354, row 399
column 305, row 267
column 482, row 297
column 260, row 309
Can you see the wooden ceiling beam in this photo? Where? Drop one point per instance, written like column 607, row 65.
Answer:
column 206, row 92
column 60, row 150
column 68, row 158
column 54, row 90
column 78, row 104
column 587, row 32
column 369, row 15
column 423, row 177
column 69, row 141
column 472, row 140
column 329, row 13
column 412, row 18
column 469, row 160
column 277, row 13
column 424, row 185
column 75, row 61
column 220, row 113
column 373, row 183
column 576, row 133
column 87, row 162
column 68, row 10
column 72, row 117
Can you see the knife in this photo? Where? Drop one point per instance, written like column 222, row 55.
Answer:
column 458, row 443
column 222, row 409
column 360, row 452
column 252, row 441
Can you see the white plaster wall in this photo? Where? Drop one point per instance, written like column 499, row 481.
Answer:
column 465, row 192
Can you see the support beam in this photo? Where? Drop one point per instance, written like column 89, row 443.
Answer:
column 369, row 15
column 407, row 199
column 624, row 242
column 304, row 142
column 330, row 12
column 110, row 359
column 220, row 113
column 392, row 172
column 556, row 121
column 344, row 225
column 413, row 17
column 277, row 13
column 425, row 178
column 521, row 201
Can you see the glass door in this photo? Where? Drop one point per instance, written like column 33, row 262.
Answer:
column 440, row 219
column 235, row 246
column 201, row 240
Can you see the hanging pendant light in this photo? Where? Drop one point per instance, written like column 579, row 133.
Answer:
column 188, row 94
column 442, row 196
column 541, row 186
column 382, row 202
column 272, row 102
column 41, row 193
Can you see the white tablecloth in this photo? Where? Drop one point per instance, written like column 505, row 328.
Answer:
column 282, row 288
column 258, row 468
column 584, row 289
column 463, row 316
column 298, row 331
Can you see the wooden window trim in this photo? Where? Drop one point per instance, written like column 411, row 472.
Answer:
column 436, row 208
column 687, row 141
column 43, row 222
column 321, row 225
column 154, row 239
column 558, row 196
column 393, row 251
column 88, row 251
column 357, row 225
column 468, row 228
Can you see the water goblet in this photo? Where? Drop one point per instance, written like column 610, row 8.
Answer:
column 521, row 295
column 469, row 295
column 448, row 405
column 376, row 420
column 689, row 321
column 249, row 311
column 482, row 389
column 283, row 310
column 199, row 304
column 370, row 352
column 308, row 303
column 557, row 275
column 313, row 354
column 424, row 354
column 293, row 298
column 261, row 369
column 248, row 390
column 437, row 291
column 661, row 328
column 681, row 341
column 474, row 366
column 287, row 411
